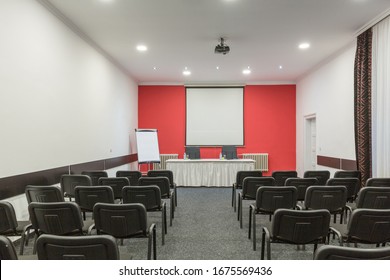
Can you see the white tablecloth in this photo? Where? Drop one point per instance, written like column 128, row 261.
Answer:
column 207, row 172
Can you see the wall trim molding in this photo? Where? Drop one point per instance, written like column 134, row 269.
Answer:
column 337, row 163
column 15, row 185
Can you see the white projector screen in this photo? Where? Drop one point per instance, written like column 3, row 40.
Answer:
column 147, row 145
column 214, row 116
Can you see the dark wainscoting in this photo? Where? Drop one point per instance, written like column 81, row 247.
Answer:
column 15, row 185
column 338, row 163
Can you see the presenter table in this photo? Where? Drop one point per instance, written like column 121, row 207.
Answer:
column 207, row 172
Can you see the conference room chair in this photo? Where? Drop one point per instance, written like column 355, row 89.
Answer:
column 366, row 226
column 282, row 175
column 331, row 198
column 43, row 194
column 95, row 175
column 87, row 196
column 10, row 226
column 150, row 197
column 169, row 175
column 296, row 227
column 192, row 152
column 69, row 181
column 378, row 182
column 58, row 218
column 249, row 191
column 301, row 184
column 87, row 247
column 132, row 175
column 321, row 175
column 116, row 183
column 165, row 189
column 229, row 152
column 7, row 249
column 352, row 185
column 331, row 252
column 268, row 200
column 348, row 174
column 374, row 198
column 124, row 221
column 240, row 176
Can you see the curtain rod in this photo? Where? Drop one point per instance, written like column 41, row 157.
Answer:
column 373, row 22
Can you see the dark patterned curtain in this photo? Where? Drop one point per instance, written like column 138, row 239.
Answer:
column 362, row 92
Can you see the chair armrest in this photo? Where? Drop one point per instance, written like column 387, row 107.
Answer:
column 339, row 236
column 91, row 227
column 152, row 227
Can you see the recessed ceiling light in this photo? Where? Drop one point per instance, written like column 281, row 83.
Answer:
column 154, row 68
column 304, row 46
column 142, row 48
column 106, row 1
column 217, row 67
column 280, row 66
column 186, row 72
column 246, row 71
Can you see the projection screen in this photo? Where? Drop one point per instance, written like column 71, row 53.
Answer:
column 214, row 116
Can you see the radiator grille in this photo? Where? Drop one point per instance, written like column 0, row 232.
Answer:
column 261, row 160
column 163, row 158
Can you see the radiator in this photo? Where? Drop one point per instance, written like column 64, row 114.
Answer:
column 261, row 160
column 163, row 158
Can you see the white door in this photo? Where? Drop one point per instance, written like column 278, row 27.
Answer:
column 310, row 143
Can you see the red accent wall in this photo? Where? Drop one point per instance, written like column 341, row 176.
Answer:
column 269, row 121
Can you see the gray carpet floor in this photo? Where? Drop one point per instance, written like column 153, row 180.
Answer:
column 205, row 227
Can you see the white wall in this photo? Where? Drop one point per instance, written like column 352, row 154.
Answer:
column 328, row 92
column 61, row 101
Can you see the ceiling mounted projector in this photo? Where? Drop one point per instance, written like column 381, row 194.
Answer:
column 222, row 47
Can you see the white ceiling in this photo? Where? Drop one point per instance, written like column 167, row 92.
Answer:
column 262, row 34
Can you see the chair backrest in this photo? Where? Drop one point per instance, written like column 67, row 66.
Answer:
column 352, row 185
column 369, row 226
column 70, row 181
column 87, row 196
column 321, row 175
column 95, row 175
column 332, row 198
column 43, row 194
column 193, row 152
column 116, row 183
column 300, row 227
column 149, row 196
column 374, row 198
column 251, row 184
column 59, row 218
column 89, row 247
column 301, row 184
column 331, row 252
column 282, row 175
column 132, row 175
column 348, row 174
column 8, row 222
column 120, row 220
column 229, row 151
column 7, row 249
column 162, row 173
column 161, row 182
column 378, row 182
column 268, row 199
column 241, row 175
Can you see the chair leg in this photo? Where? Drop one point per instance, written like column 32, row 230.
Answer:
column 262, row 244
column 175, row 197
column 250, row 222
column 150, row 240
column 163, row 228
column 171, row 214
column 233, row 196
column 154, row 244
column 240, row 211
column 254, row 230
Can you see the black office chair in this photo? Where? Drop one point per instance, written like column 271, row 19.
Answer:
column 95, row 175
column 169, row 175
column 282, row 175
column 301, row 184
column 87, row 196
column 150, row 197
column 192, row 152
column 331, row 252
column 321, row 175
column 249, row 191
column 7, row 249
column 90, row 247
column 132, row 175
column 229, row 152
column 10, row 226
column 43, row 194
column 240, row 176
column 125, row 221
column 352, row 185
column 268, row 200
column 374, row 198
column 69, row 182
column 116, row 183
column 348, row 174
column 378, row 182
column 296, row 227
